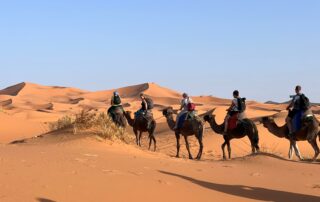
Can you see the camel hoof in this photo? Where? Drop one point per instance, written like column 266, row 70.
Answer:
column 177, row 156
column 315, row 156
column 190, row 157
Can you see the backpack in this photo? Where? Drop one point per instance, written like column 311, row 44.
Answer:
column 149, row 103
column 116, row 100
column 242, row 104
column 191, row 107
column 304, row 102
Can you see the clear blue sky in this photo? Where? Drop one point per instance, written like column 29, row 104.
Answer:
column 263, row 48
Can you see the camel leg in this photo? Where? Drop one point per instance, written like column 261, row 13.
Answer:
column 253, row 147
column 154, row 142
column 178, row 144
column 229, row 149
column 257, row 148
column 140, row 135
column 136, row 134
column 151, row 132
column 150, row 141
column 188, row 146
column 200, row 149
column 291, row 150
column 316, row 149
column 223, row 150
column 152, row 138
column 297, row 150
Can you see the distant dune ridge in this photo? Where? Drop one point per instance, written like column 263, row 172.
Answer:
column 37, row 104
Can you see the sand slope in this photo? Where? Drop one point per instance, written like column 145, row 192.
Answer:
column 66, row 168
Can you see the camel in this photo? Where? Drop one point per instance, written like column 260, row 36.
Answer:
column 139, row 126
column 190, row 127
column 308, row 132
column 117, row 115
column 245, row 128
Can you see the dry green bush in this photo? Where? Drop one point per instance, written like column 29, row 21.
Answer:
column 62, row 123
column 106, row 128
column 99, row 124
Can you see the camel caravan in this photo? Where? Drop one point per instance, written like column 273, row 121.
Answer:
column 301, row 124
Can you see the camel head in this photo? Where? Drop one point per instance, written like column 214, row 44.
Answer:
column 168, row 112
column 209, row 115
column 267, row 119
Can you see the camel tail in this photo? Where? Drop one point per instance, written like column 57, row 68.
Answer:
column 255, row 133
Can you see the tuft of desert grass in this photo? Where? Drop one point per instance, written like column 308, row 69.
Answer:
column 62, row 123
column 88, row 122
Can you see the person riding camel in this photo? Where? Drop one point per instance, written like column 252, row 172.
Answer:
column 146, row 108
column 184, row 109
column 237, row 107
column 116, row 99
column 297, row 108
column 115, row 104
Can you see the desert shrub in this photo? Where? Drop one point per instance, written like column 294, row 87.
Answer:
column 106, row 128
column 62, row 123
column 84, row 120
column 87, row 122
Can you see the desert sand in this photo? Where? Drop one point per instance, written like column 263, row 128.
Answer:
column 60, row 166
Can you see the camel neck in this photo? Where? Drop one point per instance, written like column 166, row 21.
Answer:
column 129, row 119
column 215, row 127
column 171, row 122
column 274, row 129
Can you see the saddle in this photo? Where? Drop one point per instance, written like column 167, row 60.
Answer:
column 191, row 115
column 233, row 121
column 118, row 110
column 147, row 115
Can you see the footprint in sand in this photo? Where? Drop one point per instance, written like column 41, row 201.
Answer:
column 90, row 155
column 164, row 182
column 112, row 172
column 136, row 173
column 227, row 166
column 256, row 174
column 80, row 160
column 316, row 186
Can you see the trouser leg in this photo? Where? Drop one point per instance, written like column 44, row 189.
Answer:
column 289, row 124
column 226, row 123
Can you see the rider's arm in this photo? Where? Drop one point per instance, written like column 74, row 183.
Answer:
column 146, row 104
column 112, row 98
column 182, row 105
column 231, row 106
column 290, row 105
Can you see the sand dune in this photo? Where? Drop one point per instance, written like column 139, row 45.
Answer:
column 5, row 103
column 60, row 166
column 13, row 90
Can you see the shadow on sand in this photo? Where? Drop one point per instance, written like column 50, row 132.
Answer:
column 44, row 200
column 306, row 161
column 255, row 193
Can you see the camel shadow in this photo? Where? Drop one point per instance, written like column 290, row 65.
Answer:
column 44, row 200
column 305, row 161
column 254, row 193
